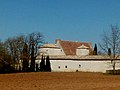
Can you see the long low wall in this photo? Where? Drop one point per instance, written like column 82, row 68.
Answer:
column 83, row 63
column 85, row 66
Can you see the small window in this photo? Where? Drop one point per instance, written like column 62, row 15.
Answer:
column 79, row 66
column 65, row 66
column 59, row 67
column 46, row 50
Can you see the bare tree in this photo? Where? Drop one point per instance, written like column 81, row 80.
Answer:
column 111, row 44
column 34, row 40
column 25, row 58
column 5, row 59
column 15, row 46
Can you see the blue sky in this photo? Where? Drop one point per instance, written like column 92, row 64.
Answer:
column 76, row 20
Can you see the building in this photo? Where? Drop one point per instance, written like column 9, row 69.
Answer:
column 66, row 48
column 70, row 56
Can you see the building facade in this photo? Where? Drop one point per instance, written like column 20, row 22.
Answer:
column 66, row 48
column 69, row 56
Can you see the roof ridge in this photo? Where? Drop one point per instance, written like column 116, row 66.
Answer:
column 74, row 41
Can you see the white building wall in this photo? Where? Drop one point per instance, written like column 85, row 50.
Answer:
column 85, row 66
column 82, row 51
column 51, row 51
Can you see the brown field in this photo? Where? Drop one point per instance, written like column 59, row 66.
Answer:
column 59, row 81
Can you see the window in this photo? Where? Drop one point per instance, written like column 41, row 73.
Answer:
column 59, row 67
column 79, row 66
column 65, row 66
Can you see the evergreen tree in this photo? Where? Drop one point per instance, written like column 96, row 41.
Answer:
column 32, row 67
column 95, row 49
column 42, row 64
column 109, row 51
column 48, row 66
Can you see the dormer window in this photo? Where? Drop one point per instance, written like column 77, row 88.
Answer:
column 82, row 50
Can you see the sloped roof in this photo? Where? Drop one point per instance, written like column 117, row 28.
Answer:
column 70, row 47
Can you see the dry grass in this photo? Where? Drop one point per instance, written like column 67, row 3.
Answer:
column 59, row 81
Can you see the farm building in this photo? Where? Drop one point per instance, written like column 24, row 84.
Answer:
column 66, row 48
column 70, row 56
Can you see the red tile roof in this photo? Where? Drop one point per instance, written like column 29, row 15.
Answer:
column 70, row 47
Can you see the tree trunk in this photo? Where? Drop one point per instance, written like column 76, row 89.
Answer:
column 113, row 67
column 32, row 59
column 32, row 67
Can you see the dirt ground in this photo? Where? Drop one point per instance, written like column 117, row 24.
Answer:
column 59, row 81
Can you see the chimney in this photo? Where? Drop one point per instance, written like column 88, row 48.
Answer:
column 57, row 41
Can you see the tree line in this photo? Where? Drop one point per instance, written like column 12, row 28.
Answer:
column 22, row 49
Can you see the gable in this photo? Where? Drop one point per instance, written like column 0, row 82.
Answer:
column 83, row 47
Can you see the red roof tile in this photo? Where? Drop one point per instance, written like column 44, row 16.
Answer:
column 70, row 47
